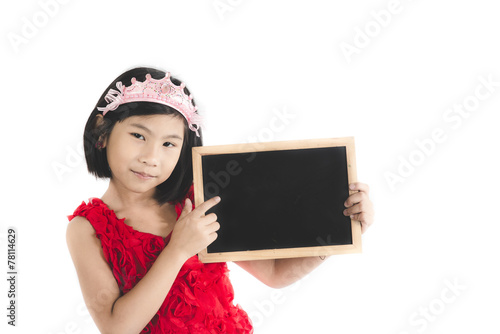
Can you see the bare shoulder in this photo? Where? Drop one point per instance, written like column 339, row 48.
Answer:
column 99, row 287
column 79, row 230
column 82, row 242
column 79, row 223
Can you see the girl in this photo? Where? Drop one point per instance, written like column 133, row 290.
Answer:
column 134, row 249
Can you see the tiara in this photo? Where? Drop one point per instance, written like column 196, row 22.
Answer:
column 159, row 91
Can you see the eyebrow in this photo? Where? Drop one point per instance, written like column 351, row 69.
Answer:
column 140, row 126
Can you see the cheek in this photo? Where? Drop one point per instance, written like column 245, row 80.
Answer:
column 172, row 162
column 117, row 157
column 113, row 163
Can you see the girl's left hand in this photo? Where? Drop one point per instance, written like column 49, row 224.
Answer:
column 359, row 207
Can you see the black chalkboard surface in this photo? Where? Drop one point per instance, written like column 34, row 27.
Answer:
column 279, row 199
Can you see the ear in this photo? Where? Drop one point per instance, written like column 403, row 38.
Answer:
column 99, row 121
column 103, row 141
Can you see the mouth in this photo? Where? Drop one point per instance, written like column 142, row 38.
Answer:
column 143, row 176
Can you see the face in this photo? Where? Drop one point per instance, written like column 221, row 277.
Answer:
column 142, row 151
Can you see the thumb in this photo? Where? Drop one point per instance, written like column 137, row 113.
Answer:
column 188, row 207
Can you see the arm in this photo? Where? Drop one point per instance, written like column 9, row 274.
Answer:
column 280, row 273
column 283, row 272
column 111, row 312
column 131, row 312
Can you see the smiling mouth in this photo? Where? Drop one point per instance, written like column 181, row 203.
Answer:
column 143, row 176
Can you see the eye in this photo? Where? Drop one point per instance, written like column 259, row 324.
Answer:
column 168, row 144
column 136, row 135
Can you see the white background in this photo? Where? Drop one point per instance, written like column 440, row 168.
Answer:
column 437, row 226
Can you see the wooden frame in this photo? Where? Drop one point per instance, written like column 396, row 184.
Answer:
column 235, row 172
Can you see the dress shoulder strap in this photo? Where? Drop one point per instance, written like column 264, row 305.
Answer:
column 98, row 214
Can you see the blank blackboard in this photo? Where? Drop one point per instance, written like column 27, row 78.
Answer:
column 279, row 199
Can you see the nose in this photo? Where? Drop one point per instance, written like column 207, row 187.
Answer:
column 149, row 156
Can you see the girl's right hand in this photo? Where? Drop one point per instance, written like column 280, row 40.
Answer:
column 194, row 230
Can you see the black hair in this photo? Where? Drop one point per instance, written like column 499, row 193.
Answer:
column 175, row 188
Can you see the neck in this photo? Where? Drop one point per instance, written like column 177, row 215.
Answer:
column 118, row 198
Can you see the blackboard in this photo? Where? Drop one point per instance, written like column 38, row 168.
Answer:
column 279, row 199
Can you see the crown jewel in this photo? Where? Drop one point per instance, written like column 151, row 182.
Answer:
column 161, row 91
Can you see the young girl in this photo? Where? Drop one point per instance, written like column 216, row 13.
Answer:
column 134, row 249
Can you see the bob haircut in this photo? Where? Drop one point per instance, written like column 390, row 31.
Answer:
column 176, row 187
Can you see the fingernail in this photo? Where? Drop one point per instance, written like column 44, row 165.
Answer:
column 352, row 216
column 217, row 199
column 352, row 186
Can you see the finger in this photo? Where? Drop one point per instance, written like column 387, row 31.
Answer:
column 361, row 217
column 205, row 206
column 359, row 186
column 209, row 219
column 354, row 199
column 355, row 209
column 211, row 231
column 188, row 207
column 212, row 237
column 364, row 218
column 213, row 227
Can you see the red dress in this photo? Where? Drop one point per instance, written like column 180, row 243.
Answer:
column 201, row 297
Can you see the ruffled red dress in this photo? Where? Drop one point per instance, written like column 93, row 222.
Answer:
column 201, row 297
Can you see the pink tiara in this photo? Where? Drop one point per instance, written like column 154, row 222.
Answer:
column 159, row 91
